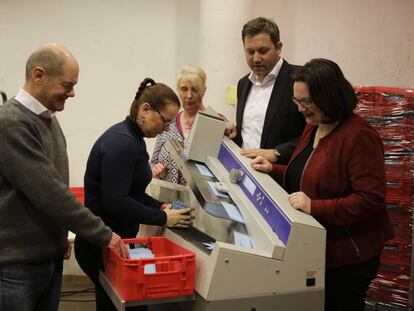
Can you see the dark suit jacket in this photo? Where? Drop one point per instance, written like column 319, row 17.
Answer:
column 283, row 123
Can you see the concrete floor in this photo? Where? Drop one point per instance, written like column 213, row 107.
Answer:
column 77, row 294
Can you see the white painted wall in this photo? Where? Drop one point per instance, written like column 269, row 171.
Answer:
column 371, row 40
column 119, row 42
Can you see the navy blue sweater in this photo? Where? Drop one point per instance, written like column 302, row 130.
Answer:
column 116, row 176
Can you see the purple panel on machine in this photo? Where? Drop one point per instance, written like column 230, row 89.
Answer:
column 270, row 211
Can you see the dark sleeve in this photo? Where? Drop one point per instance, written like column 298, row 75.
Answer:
column 295, row 125
column 150, row 201
column 286, row 150
column 239, row 116
column 24, row 163
column 278, row 173
column 120, row 158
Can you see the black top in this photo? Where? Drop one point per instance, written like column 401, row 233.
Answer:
column 116, row 177
column 295, row 169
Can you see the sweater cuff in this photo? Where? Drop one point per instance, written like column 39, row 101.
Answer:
column 106, row 237
column 164, row 218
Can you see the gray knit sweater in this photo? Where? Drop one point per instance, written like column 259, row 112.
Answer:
column 36, row 208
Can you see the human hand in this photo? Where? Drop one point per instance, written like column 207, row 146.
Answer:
column 178, row 217
column 299, row 200
column 118, row 246
column 68, row 251
column 230, row 130
column 268, row 154
column 159, row 170
column 262, row 165
column 165, row 205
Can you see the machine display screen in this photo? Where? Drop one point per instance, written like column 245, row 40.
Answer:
column 249, row 184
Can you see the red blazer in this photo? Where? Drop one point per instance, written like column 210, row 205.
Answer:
column 345, row 179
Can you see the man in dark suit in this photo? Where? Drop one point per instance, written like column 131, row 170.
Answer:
column 268, row 122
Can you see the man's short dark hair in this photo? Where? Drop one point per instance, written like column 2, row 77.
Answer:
column 328, row 88
column 50, row 60
column 259, row 25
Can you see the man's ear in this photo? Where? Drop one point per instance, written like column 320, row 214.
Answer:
column 38, row 75
column 278, row 46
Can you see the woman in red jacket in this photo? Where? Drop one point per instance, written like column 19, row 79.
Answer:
column 337, row 175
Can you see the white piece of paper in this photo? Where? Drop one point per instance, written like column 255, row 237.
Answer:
column 242, row 239
column 141, row 253
column 233, row 212
column 217, row 192
column 149, row 268
column 204, row 170
column 209, row 246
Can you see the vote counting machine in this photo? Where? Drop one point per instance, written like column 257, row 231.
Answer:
column 254, row 251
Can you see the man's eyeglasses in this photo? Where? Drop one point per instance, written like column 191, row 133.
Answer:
column 305, row 102
column 164, row 121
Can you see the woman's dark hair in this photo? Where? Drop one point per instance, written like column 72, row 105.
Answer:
column 158, row 95
column 328, row 88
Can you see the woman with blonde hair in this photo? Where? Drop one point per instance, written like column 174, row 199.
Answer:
column 191, row 86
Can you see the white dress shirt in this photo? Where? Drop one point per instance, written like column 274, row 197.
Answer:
column 256, row 107
column 33, row 104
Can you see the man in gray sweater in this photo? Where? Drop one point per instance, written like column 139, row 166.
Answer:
column 36, row 207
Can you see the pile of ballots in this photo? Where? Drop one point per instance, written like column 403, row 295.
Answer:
column 177, row 204
column 143, row 253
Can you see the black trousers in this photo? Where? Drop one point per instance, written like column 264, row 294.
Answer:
column 89, row 257
column 346, row 287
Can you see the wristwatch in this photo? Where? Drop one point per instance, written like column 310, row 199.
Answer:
column 276, row 153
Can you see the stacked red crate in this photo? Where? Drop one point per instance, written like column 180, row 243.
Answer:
column 79, row 193
column 391, row 112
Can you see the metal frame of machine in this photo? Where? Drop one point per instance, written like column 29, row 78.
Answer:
column 285, row 267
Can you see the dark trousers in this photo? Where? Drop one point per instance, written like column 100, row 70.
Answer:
column 31, row 287
column 346, row 287
column 89, row 257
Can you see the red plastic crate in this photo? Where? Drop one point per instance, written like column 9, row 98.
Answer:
column 400, row 168
column 399, row 192
column 397, row 249
column 174, row 276
column 383, row 101
column 402, row 231
column 395, row 298
column 395, row 265
column 400, row 213
column 392, row 279
column 79, row 193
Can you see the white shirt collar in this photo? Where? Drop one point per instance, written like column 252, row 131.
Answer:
column 33, row 104
column 270, row 77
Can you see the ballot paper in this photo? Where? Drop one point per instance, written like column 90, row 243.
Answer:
column 204, row 170
column 242, row 239
column 141, row 253
column 209, row 245
column 177, row 204
column 233, row 212
column 217, row 192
